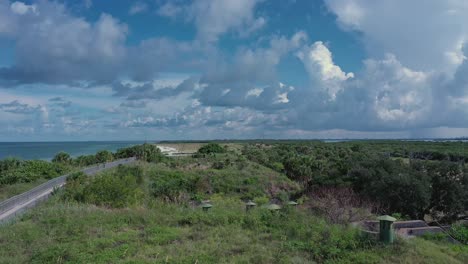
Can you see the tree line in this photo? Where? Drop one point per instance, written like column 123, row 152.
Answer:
column 411, row 185
column 14, row 170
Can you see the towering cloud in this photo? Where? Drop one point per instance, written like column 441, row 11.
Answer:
column 424, row 35
column 322, row 70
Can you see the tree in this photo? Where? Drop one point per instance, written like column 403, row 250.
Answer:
column 449, row 190
column 10, row 164
column 340, row 205
column 104, row 156
column 62, row 157
column 211, row 148
column 399, row 187
column 85, row 160
column 301, row 169
column 146, row 152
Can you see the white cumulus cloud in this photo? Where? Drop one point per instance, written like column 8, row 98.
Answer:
column 319, row 64
column 216, row 17
column 424, row 35
column 21, row 8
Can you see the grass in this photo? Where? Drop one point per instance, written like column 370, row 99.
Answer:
column 159, row 230
column 84, row 234
column 8, row 191
column 403, row 160
column 422, row 251
column 60, row 232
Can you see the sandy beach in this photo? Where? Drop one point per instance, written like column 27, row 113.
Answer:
column 179, row 149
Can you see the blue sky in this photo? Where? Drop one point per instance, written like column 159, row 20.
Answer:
column 198, row 69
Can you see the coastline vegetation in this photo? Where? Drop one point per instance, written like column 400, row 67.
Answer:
column 17, row 176
column 150, row 212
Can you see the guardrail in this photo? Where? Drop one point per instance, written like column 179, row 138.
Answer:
column 26, row 197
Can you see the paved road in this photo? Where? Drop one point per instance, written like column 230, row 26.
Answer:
column 19, row 203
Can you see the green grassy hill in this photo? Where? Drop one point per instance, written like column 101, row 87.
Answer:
column 150, row 213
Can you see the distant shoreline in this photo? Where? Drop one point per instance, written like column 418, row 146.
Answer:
column 164, row 141
column 47, row 150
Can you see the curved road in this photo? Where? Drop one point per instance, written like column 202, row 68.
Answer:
column 19, row 203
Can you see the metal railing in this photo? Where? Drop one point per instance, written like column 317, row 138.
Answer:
column 41, row 190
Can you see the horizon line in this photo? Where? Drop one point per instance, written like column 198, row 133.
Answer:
column 237, row 139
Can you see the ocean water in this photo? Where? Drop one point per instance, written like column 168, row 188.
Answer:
column 47, row 150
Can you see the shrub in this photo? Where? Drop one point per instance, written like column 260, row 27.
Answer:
column 277, row 166
column 449, row 190
column 218, row 165
column 211, row 148
column 104, row 156
column 221, row 164
column 10, row 164
column 85, row 160
column 174, row 186
column 340, row 205
column 398, row 188
column 261, row 200
column 145, row 152
column 460, row 233
column 115, row 190
column 31, row 170
column 135, row 171
column 62, row 157
column 111, row 191
column 74, row 189
column 301, row 169
column 256, row 155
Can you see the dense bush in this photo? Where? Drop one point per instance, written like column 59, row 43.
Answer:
column 104, row 156
column 85, row 160
column 301, row 168
column 406, row 185
column 130, row 170
column 460, row 232
column 211, row 148
column 256, row 154
column 174, row 186
column 406, row 191
column 16, row 171
column 62, row 157
column 183, row 181
column 449, row 189
column 119, row 189
column 9, row 164
column 145, row 152
column 340, row 205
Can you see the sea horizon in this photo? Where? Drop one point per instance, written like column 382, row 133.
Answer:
column 43, row 150
column 46, row 150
